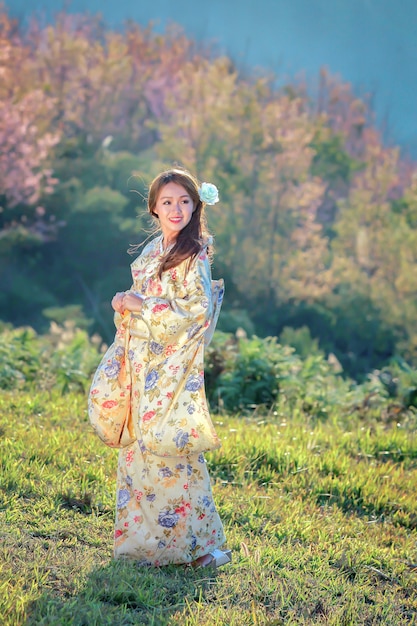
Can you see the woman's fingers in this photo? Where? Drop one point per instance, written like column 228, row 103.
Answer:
column 126, row 300
column 117, row 301
column 132, row 302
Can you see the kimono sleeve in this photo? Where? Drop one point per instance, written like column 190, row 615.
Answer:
column 173, row 322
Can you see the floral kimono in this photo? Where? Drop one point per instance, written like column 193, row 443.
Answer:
column 165, row 511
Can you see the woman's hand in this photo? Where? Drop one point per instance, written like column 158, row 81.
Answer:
column 127, row 300
column 132, row 302
column 117, row 302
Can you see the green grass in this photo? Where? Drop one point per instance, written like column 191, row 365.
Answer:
column 321, row 518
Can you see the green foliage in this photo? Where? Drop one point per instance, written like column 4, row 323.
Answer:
column 73, row 360
column 64, row 358
column 72, row 313
column 249, row 378
column 242, row 374
column 233, row 319
column 247, row 374
column 20, row 357
column 101, row 200
column 19, row 284
column 400, row 381
column 301, row 340
column 331, row 161
column 317, row 221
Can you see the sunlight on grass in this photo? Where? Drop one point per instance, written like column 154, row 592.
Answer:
column 321, row 517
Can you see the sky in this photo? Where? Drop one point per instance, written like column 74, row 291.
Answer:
column 370, row 43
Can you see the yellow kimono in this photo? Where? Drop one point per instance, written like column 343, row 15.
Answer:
column 165, row 511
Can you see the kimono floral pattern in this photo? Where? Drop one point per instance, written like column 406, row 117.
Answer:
column 164, row 507
column 110, row 392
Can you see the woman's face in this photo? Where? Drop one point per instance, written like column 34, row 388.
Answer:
column 174, row 207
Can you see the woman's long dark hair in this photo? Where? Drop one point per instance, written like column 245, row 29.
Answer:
column 193, row 237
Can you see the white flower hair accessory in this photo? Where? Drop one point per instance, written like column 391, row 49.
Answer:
column 208, row 193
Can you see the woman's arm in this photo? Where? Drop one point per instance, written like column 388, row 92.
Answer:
column 175, row 321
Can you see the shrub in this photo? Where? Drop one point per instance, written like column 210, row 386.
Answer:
column 64, row 358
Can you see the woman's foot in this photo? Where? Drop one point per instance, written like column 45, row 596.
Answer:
column 213, row 559
column 203, row 561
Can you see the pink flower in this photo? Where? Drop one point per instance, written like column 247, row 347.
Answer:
column 94, row 391
column 118, row 534
column 182, row 510
column 194, row 433
column 159, row 307
column 148, row 416
column 155, row 287
column 109, row 404
column 170, row 395
column 120, row 333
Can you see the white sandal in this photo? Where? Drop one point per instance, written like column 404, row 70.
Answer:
column 219, row 557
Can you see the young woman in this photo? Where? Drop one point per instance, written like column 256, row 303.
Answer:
column 165, row 511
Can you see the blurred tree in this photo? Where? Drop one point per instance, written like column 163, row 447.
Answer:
column 317, row 222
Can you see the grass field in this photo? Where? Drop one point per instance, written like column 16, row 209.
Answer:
column 321, row 518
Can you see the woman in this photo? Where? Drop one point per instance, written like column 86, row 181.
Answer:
column 165, row 511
